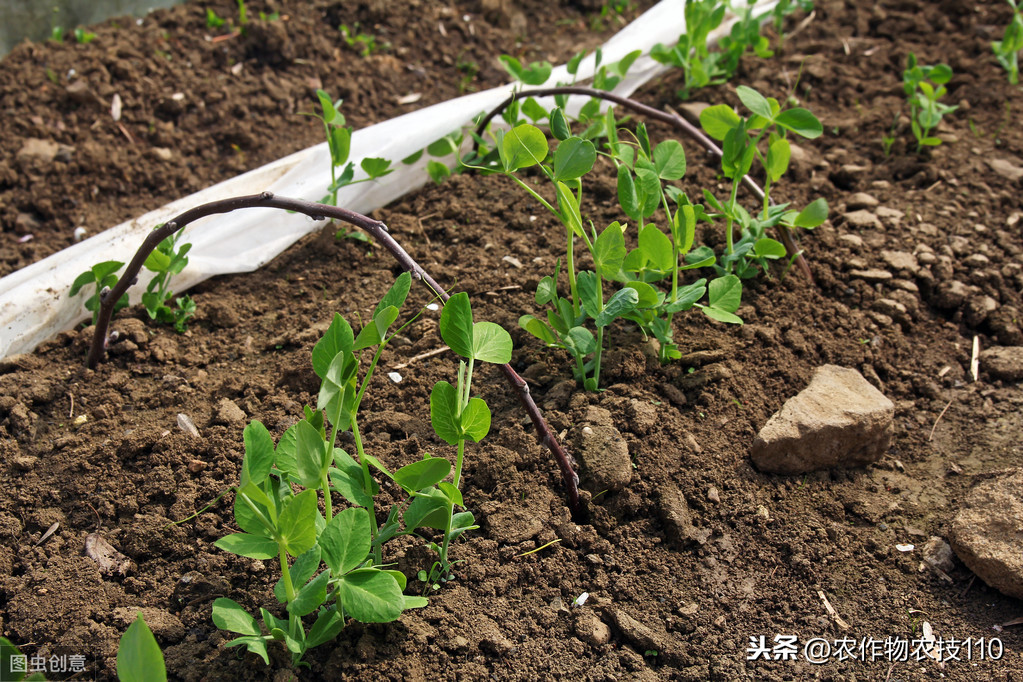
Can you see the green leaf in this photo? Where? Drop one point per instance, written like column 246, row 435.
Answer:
column 755, row 102
column 813, row 215
column 297, row 523
column 303, row 569
column 138, row 655
column 259, row 454
column 311, row 596
column 717, row 120
column 312, row 456
column 778, row 155
column 628, row 199
column 656, row 246
column 376, row 167
column 573, row 158
column 444, row 413
column 725, row 293
column 157, row 261
column 339, row 337
column 328, row 625
column 491, row 343
column 248, row 545
column 622, row 302
column 559, row 125
column 476, row 419
column 721, row 315
column 580, row 341
column 647, row 296
column 456, row 328
column 422, row 474
column 670, row 160
column 522, row 147
column 769, row 248
column 569, row 208
column 801, row 122
column 609, row 251
column 229, row 615
column 538, row 329
column 371, row 596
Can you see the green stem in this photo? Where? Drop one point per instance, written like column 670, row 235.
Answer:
column 367, row 482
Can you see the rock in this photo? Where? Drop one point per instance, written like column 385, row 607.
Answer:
column 591, row 629
column 604, row 454
column 871, row 275
column 861, row 200
column 228, row 413
column 1007, row 169
column 1003, row 362
column 938, row 553
column 979, row 309
column 675, row 515
column 900, row 260
column 36, row 150
column 987, row 533
column 862, row 220
column 839, row 420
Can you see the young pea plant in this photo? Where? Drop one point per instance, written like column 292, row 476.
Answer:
column 457, row 417
column 339, row 143
column 101, row 276
column 1008, row 48
column 741, row 138
column 924, row 86
column 277, row 522
column 167, row 260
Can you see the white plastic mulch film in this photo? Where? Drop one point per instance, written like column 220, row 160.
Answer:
column 34, row 304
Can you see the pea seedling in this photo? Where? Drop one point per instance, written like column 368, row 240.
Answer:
column 740, row 147
column 924, row 86
column 1007, row 49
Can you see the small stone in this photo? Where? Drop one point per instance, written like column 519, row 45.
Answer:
column 1003, row 362
column 861, row 200
column 839, row 420
column 938, row 553
column 862, row 220
column 988, row 531
column 228, row 413
column 871, row 275
column 889, row 216
column 1007, row 169
column 900, row 260
column 591, row 629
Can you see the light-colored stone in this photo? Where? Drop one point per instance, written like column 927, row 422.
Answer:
column 228, row 413
column 861, row 200
column 1003, row 362
column 900, row 260
column 862, row 219
column 987, row 533
column 839, row 420
column 1006, row 168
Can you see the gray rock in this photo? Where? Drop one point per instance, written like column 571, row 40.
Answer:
column 862, row 219
column 861, row 200
column 987, row 533
column 839, row 420
column 900, row 260
column 1003, row 362
column 228, row 413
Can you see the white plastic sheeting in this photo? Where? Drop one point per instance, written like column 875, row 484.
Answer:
column 33, row 301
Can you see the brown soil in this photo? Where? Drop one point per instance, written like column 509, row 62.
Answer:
column 759, row 549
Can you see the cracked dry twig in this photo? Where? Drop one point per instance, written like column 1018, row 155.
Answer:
column 378, row 230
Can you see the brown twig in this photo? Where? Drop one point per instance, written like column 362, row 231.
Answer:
column 671, row 119
column 376, row 229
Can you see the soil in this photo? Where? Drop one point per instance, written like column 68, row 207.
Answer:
column 698, row 552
